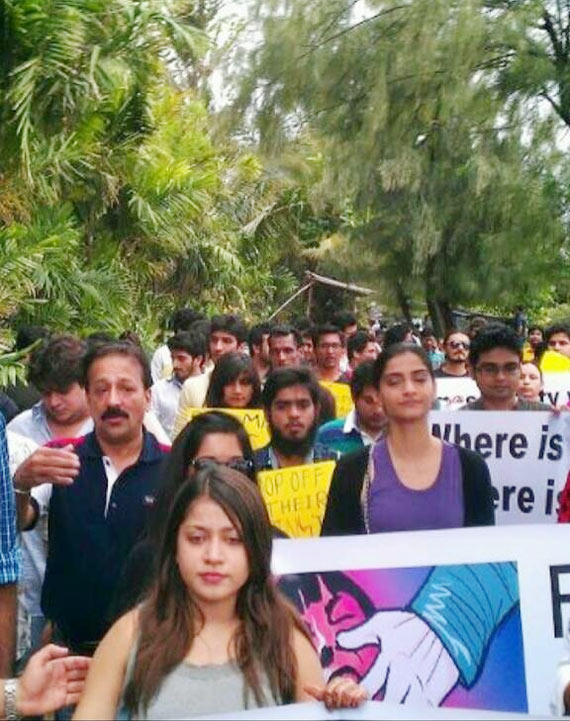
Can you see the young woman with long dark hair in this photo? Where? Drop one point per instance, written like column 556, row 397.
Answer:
column 215, row 634
column 234, row 383
column 212, row 436
column 409, row 479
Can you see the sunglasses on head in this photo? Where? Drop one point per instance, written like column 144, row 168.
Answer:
column 242, row 465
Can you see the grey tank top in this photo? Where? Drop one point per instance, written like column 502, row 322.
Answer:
column 199, row 690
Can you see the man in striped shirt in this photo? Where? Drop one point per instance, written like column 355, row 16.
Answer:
column 8, row 561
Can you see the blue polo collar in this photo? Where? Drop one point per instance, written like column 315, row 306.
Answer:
column 151, row 451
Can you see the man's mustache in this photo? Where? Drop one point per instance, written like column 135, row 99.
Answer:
column 114, row 412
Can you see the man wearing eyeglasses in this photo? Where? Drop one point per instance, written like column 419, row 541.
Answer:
column 329, row 350
column 495, row 362
column 456, row 346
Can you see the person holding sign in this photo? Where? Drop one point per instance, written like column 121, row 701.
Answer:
column 214, row 634
column 234, row 383
column 409, row 480
column 291, row 403
column 495, row 361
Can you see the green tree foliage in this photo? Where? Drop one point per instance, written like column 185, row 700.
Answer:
column 117, row 204
column 447, row 201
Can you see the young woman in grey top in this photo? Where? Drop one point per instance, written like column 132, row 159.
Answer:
column 214, row 633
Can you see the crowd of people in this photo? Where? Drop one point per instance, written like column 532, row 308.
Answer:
column 132, row 528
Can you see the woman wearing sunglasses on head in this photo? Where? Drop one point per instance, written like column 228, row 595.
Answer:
column 212, row 437
column 234, row 383
column 409, row 479
column 214, row 635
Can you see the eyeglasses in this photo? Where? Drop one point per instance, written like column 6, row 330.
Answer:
column 330, row 346
column 492, row 369
column 455, row 344
column 242, row 465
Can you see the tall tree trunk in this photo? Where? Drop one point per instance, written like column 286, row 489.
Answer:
column 403, row 302
column 446, row 313
column 435, row 317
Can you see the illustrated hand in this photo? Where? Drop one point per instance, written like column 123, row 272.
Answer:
column 47, row 465
column 412, row 666
column 341, row 692
column 51, row 679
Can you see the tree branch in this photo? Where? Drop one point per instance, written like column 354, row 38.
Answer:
column 558, row 108
column 548, row 26
column 353, row 27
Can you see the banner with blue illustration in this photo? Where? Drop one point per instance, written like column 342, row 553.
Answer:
column 469, row 618
column 438, row 636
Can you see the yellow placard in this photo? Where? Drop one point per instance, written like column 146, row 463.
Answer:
column 296, row 497
column 554, row 362
column 252, row 419
column 342, row 396
column 528, row 353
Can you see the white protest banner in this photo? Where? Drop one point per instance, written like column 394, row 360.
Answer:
column 452, row 393
column 556, row 389
column 465, row 618
column 527, row 452
column 370, row 711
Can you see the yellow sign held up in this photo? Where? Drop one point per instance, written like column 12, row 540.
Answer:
column 252, row 419
column 296, row 497
column 554, row 362
column 342, row 396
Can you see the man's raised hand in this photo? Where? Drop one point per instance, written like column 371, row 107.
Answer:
column 59, row 466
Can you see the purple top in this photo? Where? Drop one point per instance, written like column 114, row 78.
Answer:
column 394, row 507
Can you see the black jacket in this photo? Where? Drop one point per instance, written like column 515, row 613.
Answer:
column 343, row 514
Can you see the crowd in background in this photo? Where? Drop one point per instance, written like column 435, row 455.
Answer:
column 142, row 536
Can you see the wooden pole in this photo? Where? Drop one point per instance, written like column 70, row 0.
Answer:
column 310, row 300
column 290, row 300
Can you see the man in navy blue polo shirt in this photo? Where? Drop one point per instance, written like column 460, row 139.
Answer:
column 105, row 487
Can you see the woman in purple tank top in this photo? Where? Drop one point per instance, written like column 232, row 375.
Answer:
column 409, row 480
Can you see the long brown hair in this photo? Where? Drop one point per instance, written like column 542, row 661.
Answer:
column 169, row 618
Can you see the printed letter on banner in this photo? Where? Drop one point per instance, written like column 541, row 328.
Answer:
column 341, row 395
column 296, row 497
column 556, row 389
column 252, row 419
column 452, row 393
column 527, row 453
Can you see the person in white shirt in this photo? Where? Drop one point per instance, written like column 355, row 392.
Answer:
column 62, row 412
column 161, row 363
column 188, row 353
